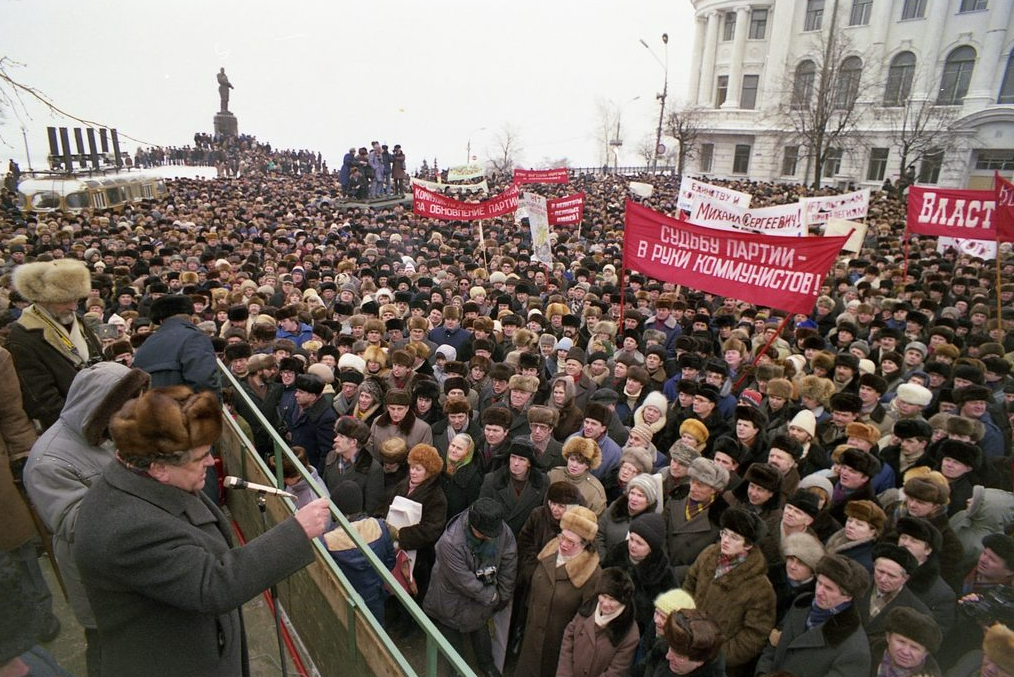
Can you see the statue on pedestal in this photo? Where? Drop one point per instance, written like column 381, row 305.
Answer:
column 223, row 89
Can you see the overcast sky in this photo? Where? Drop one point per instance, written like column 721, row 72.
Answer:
column 329, row 75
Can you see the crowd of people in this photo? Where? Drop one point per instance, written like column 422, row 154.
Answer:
column 615, row 475
column 231, row 156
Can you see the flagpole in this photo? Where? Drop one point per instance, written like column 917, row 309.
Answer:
column 482, row 244
column 904, row 264
column 623, row 268
column 778, row 333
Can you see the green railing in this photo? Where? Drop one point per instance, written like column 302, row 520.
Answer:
column 321, row 594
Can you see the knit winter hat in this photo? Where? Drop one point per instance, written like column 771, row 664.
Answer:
column 674, row 600
column 647, row 485
column 651, row 527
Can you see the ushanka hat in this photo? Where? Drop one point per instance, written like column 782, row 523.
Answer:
column 58, row 281
column 165, row 421
column 916, row 626
column 581, row 521
column 846, row 573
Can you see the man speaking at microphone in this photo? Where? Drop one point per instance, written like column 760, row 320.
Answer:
column 156, row 555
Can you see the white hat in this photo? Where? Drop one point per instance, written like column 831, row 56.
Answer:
column 913, row 393
column 806, row 421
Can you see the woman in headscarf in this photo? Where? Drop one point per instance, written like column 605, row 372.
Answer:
column 602, row 637
column 561, row 398
column 369, row 401
column 462, row 476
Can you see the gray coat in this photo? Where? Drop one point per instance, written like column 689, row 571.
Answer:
column 69, row 458
column 456, row 597
column 836, row 648
column 164, row 581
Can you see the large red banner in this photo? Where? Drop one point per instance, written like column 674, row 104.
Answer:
column 437, row 206
column 963, row 214
column 766, row 270
column 1004, row 196
column 541, row 175
column 566, row 210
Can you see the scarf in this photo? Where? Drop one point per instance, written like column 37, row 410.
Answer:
column 879, row 601
column 818, row 616
column 484, row 550
column 602, row 620
column 455, row 466
column 694, row 508
column 70, row 342
column 562, row 559
column 887, row 668
column 727, row 564
column 907, row 460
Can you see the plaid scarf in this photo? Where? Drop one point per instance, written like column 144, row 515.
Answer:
column 694, row 508
column 727, row 564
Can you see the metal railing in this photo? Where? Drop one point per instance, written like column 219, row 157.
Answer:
column 356, row 611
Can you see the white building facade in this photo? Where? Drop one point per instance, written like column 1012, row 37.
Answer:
column 751, row 57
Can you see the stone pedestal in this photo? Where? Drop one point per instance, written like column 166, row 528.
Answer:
column 225, row 124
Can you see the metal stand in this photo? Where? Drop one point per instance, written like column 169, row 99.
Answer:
column 262, row 505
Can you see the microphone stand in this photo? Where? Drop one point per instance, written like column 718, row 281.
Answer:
column 262, row 505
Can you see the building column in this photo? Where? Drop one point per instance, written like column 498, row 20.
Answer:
column 927, row 79
column 876, row 64
column 706, row 87
column 738, row 52
column 984, row 87
column 777, row 71
column 693, row 92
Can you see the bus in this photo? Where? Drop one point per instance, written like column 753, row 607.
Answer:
column 52, row 192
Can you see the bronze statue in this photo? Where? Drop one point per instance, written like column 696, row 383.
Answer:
column 223, row 89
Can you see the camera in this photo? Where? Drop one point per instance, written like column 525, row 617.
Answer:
column 994, row 604
column 487, row 575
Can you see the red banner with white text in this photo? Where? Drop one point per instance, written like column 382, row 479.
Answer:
column 541, row 175
column 566, row 210
column 946, row 212
column 766, row 270
column 437, row 206
column 1004, row 196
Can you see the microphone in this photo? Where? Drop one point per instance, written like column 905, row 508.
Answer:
column 237, row 483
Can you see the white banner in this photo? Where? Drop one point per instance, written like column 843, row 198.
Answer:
column 465, row 172
column 983, row 249
column 533, row 207
column 690, row 187
column 785, row 220
column 643, row 190
column 841, row 227
column 481, row 187
column 817, row 210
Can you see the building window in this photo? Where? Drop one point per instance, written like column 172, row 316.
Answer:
column 722, row 91
column 999, row 160
column 832, row 163
column 814, row 15
column 861, row 11
column 957, row 75
column 972, row 5
column 758, row 24
column 1007, row 86
column 849, row 75
column 913, row 9
column 878, row 164
column 748, row 96
column 729, row 28
column 707, row 156
column 789, row 160
column 741, row 159
column 802, row 86
column 929, row 168
column 899, row 79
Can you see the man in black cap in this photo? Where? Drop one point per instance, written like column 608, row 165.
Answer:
column 892, row 567
column 914, row 436
column 518, row 486
column 845, row 408
column 178, row 353
column 473, row 579
column 311, row 422
column 923, row 540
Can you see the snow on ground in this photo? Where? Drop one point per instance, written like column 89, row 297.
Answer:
column 182, row 172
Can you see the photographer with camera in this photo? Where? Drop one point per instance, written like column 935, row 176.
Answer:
column 473, row 578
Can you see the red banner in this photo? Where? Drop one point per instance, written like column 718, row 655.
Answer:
column 437, row 206
column 766, row 270
column 566, row 210
column 962, row 214
column 1004, row 196
column 541, row 175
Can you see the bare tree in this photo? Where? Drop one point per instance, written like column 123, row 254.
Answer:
column 646, row 149
column 684, row 125
column 553, row 163
column 506, row 152
column 605, row 124
column 919, row 129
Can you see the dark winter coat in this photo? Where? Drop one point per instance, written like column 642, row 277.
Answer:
column 16, row 438
column 462, row 488
column 877, row 626
column 686, row 539
column 652, row 576
column 180, row 353
column 517, row 507
column 614, row 525
column 656, row 664
column 934, row 592
column 742, row 602
column 539, row 529
column 268, row 407
column 591, row 651
column 313, row 429
column 434, row 514
column 353, row 563
column 786, row 593
column 835, row 648
column 366, row 472
column 163, row 579
column 551, row 457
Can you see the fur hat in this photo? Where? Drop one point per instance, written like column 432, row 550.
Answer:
column 457, row 405
column 397, row 396
column 817, row 388
column 543, row 415
column 393, row 450
column 908, row 428
column 765, row 476
column 805, row 501
column 598, row 412
column 962, row 452
column 171, row 304
column 823, row 360
column 745, row 523
column 745, row 412
column 971, row 393
column 165, row 421
column 804, row 547
column 864, row 431
column 861, row 462
column 683, row 454
column 354, row 428
column 869, row 512
column 914, row 394
column 896, row 554
column 1002, row 546
column 583, row 448
column 581, row 521
column 780, row 387
column 696, row 428
column 375, row 354
column 237, row 351
column 521, row 447
column 564, row 493
column 640, row 458
column 118, row 383
column 402, row 358
column 291, row 364
column 428, row 457
column 916, row 626
column 921, row 530
column 309, row 383
column 706, row 471
column 931, row 487
column 500, row 416
column 58, row 281
column 846, row 402
column 966, row 427
column 846, row 573
column 526, row 384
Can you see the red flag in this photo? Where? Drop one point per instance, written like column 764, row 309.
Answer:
column 542, row 175
column 566, row 210
column 947, row 212
column 437, row 206
column 768, row 270
column 1004, row 196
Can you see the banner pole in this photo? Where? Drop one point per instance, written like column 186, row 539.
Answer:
column 999, row 304
column 623, row 270
column 778, row 334
column 482, row 243
column 904, row 263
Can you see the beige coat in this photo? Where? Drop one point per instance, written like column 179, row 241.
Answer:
column 17, row 435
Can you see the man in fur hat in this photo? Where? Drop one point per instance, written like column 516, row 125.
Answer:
column 155, row 554
column 49, row 344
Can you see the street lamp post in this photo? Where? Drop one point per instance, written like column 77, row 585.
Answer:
column 661, row 97
column 468, row 149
